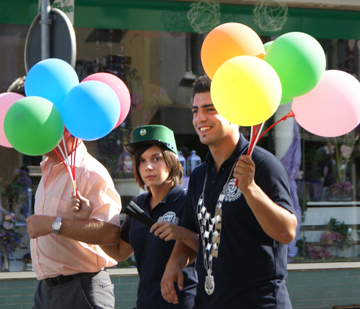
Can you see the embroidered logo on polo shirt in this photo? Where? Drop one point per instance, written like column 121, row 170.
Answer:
column 232, row 192
column 169, row 217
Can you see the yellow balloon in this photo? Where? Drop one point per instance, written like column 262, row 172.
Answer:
column 246, row 90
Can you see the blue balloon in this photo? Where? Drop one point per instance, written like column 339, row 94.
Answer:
column 90, row 110
column 51, row 79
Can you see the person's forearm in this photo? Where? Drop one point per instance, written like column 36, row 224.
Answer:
column 277, row 222
column 90, row 231
column 190, row 239
column 120, row 252
column 113, row 251
column 182, row 255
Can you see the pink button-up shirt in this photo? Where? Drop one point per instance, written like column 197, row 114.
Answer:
column 53, row 255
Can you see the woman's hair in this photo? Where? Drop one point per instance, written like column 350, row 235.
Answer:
column 171, row 161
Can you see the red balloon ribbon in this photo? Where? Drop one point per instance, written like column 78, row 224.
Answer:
column 256, row 130
column 70, row 166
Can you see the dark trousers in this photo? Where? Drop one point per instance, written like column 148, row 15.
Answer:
column 87, row 290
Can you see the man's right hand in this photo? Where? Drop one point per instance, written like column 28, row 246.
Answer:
column 39, row 225
column 171, row 275
column 81, row 207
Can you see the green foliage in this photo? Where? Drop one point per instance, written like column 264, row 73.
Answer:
column 340, row 227
column 123, row 264
column 126, row 264
column 300, row 244
column 337, row 234
column 302, row 198
column 315, row 159
column 10, row 240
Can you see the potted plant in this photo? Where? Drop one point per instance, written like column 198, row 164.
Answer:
column 314, row 161
column 10, row 240
column 26, row 259
column 337, row 171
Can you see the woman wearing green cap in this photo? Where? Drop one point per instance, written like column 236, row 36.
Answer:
column 158, row 171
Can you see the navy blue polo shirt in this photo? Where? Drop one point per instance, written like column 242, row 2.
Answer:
column 250, row 269
column 152, row 253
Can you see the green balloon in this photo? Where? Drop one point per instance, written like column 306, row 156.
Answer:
column 33, row 126
column 299, row 60
column 267, row 45
column 285, row 100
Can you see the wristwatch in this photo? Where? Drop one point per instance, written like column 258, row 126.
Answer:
column 56, row 226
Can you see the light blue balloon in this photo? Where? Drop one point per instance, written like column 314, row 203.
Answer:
column 51, row 79
column 90, row 110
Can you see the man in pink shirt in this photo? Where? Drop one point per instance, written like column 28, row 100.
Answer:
column 65, row 250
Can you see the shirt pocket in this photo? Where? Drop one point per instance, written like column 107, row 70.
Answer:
column 60, row 208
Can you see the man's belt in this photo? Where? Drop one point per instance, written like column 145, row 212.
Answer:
column 60, row 279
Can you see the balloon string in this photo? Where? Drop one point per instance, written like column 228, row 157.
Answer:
column 68, row 162
column 67, row 168
column 260, row 127
column 290, row 114
column 251, row 136
column 65, row 156
column 73, row 149
column 73, row 156
column 255, row 131
column 254, row 137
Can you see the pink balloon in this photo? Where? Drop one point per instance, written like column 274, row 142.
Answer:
column 332, row 108
column 120, row 89
column 7, row 99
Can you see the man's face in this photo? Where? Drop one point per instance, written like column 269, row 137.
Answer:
column 211, row 127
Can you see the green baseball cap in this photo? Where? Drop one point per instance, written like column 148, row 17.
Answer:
column 151, row 135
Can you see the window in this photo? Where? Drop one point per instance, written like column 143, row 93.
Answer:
column 159, row 68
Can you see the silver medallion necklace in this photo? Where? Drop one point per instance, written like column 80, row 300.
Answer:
column 210, row 231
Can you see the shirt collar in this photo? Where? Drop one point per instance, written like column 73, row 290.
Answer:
column 80, row 153
column 240, row 147
column 172, row 196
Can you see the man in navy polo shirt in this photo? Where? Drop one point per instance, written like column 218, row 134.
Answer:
column 244, row 230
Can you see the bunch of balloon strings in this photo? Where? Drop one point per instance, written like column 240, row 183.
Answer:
column 69, row 161
column 255, row 134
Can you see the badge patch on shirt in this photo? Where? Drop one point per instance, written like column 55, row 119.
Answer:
column 232, row 192
column 171, row 217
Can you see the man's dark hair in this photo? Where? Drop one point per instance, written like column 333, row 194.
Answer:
column 18, row 86
column 202, row 84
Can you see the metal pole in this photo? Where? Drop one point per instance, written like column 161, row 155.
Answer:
column 45, row 22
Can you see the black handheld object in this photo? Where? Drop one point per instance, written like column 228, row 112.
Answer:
column 137, row 213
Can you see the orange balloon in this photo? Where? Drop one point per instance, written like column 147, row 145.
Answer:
column 227, row 41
